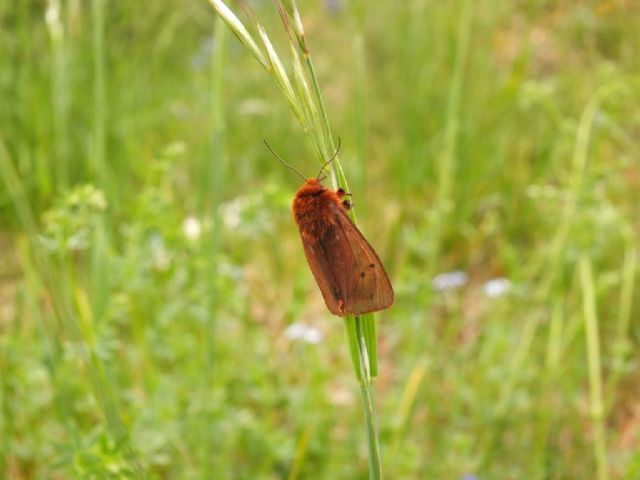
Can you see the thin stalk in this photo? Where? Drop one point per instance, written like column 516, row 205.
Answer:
column 361, row 330
column 100, row 244
column 408, row 401
column 216, row 180
column 99, row 153
column 216, row 162
column 337, row 174
column 550, row 382
column 364, row 333
column 368, row 403
column 338, row 179
column 59, row 89
column 595, row 370
column 517, row 363
column 446, row 164
column 360, row 93
column 299, row 456
column 622, row 346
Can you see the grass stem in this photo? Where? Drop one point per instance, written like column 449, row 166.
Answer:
column 367, row 392
column 447, row 162
column 99, row 150
column 594, row 365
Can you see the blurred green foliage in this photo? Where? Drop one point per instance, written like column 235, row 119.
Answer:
column 149, row 267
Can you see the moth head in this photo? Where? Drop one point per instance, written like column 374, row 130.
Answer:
column 311, row 188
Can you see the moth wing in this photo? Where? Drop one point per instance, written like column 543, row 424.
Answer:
column 324, row 272
column 347, row 269
column 368, row 287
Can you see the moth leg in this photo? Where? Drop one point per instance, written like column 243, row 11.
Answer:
column 346, row 203
column 341, row 193
column 341, row 306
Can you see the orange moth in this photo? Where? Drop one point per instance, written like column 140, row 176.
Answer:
column 347, row 269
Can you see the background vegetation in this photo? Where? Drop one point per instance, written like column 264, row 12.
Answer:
column 157, row 317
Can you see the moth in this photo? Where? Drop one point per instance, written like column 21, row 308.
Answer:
column 347, row 269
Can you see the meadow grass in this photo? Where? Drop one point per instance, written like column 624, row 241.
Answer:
column 150, row 268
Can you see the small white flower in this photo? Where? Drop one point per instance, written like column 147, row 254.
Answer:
column 231, row 213
column 295, row 331
column 192, row 228
column 449, row 280
column 496, row 287
column 305, row 333
column 313, row 336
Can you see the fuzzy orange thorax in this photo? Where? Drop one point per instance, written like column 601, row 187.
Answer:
column 312, row 209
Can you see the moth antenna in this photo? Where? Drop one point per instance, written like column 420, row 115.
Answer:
column 283, row 162
column 333, row 157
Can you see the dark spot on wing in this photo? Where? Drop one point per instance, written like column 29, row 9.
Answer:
column 362, row 274
column 372, row 265
column 371, row 297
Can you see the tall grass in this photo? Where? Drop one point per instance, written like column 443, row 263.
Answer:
column 308, row 107
column 150, row 270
